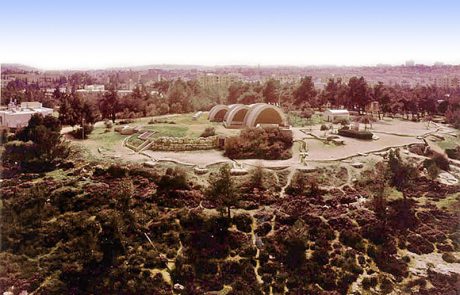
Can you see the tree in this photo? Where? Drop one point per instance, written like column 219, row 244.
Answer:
column 179, row 95
column 257, row 178
column 271, row 91
column 358, row 91
column 378, row 186
column 109, row 105
column 401, row 173
column 39, row 146
column 222, row 191
column 74, row 111
column 305, row 92
column 249, row 97
column 235, row 90
column 295, row 241
column 334, row 93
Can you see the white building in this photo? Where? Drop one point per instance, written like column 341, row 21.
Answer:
column 336, row 115
column 19, row 116
column 211, row 80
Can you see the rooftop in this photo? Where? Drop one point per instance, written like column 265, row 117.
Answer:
column 338, row 112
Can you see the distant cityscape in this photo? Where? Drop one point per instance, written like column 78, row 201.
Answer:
column 408, row 75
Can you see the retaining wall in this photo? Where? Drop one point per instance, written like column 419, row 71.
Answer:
column 184, row 143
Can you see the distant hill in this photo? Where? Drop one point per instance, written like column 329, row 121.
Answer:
column 17, row 68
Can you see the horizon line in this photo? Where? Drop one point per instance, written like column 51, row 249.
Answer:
column 259, row 65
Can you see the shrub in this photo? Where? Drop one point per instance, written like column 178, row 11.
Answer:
column 108, row 124
column 173, row 179
column 453, row 116
column 449, row 258
column 352, row 239
column 160, row 121
column 369, row 282
column 124, row 122
column 3, row 136
column 441, row 161
column 454, row 153
column 343, row 122
column 117, row 171
column 40, row 146
column 259, row 143
column 209, row 131
column 324, row 127
column 307, row 113
column 433, row 170
column 356, row 134
column 243, row 222
column 80, row 132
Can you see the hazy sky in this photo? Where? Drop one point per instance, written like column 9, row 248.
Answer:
column 95, row 34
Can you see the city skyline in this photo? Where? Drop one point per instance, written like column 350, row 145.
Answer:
column 54, row 36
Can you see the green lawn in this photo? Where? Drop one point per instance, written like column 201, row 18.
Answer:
column 297, row 121
column 106, row 139
column 134, row 140
column 449, row 143
column 171, row 130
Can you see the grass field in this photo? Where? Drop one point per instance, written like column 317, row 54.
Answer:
column 449, row 143
column 297, row 121
column 105, row 139
column 171, row 130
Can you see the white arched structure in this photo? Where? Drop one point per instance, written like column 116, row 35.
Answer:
column 217, row 113
column 264, row 114
column 235, row 116
column 241, row 116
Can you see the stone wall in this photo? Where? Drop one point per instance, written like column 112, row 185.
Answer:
column 183, row 143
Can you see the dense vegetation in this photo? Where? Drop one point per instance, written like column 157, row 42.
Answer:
column 105, row 229
column 179, row 96
column 259, row 143
column 38, row 146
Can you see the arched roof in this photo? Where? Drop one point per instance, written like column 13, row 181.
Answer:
column 262, row 113
column 216, row 112
column 236, row 114
column 231, row 108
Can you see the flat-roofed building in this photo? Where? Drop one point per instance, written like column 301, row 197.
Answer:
column 19, row 116
column 336, row 115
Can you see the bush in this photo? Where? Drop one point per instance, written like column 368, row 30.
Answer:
column 259, row 143
column 124, row 122
column 117, row 171
column 324, row 127
column 441, row 161
column 160, row 121
column 307, row 113
column 108, row 124
column 243, row 222
column 432, row 169
column 356, row 134
column 209, row 131
column 352, row 239
column 3, row 136
column 343, row 122
column 369, row 282
column 78, row 133
column 172, row 180
column 41, row 147
column 454, row 153
column 453, row 116
column 449, row 258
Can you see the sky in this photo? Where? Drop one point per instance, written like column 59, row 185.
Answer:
column 98, row 34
